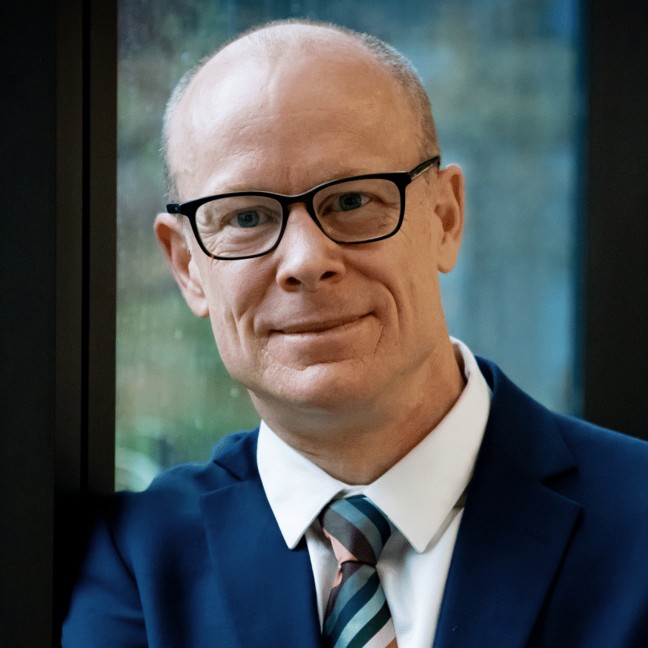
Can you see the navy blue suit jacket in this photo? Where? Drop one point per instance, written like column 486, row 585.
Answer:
column 552, row 550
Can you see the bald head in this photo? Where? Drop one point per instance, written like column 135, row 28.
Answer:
column 187, row 122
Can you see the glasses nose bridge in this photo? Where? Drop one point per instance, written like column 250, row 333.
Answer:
column 305, row 199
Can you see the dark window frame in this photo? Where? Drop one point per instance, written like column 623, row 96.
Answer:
column 58, row 298
column 58, row 272
column 614, row 227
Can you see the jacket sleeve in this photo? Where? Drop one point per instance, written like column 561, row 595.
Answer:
column 105, row 608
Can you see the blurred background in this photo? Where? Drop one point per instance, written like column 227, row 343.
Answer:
column 506, row 86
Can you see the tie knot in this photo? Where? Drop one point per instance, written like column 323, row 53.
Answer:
column 358, row 530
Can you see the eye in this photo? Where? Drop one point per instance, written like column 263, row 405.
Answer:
column 351, row 200
column 248, row 218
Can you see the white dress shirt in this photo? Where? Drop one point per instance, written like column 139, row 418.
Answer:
column 418, row 494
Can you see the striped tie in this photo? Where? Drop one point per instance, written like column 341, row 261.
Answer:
column 357, row 614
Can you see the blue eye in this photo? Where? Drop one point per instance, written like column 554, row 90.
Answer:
column 349, row 201
column 247, row 219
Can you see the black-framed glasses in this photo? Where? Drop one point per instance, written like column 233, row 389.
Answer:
column 247, row 224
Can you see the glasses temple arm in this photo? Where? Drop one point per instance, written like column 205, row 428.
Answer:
column 433, row 161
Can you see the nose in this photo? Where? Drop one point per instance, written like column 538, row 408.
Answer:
column 307, row 258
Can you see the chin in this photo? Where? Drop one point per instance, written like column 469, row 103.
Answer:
column 324, row 387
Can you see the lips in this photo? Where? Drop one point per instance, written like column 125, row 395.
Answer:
column 318, row 326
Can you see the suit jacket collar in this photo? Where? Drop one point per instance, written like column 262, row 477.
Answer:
column 515, row 529
column 267, row 588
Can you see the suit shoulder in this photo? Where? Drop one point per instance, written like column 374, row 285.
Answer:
column 611, row 478
column 597, row 444
column 526, row 430
column 177, row 490
column 605, row 470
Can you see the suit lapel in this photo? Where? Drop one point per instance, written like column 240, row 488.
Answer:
column 515, row 527
column 266, row 588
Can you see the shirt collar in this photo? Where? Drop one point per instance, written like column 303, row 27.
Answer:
column 430, row 478
column 296, row 488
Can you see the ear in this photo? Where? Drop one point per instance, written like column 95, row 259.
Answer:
column 172, row 238
column 450, row 211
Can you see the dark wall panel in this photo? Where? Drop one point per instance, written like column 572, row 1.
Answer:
column 616, row 268
column 28, row 321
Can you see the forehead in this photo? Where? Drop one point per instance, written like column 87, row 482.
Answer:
column 329, row 104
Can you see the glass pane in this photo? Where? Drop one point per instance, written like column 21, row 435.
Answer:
column 503, row 78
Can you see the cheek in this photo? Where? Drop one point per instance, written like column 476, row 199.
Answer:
column 233, row 297
column 418, row 297
column 235, row 344
column 416, row 253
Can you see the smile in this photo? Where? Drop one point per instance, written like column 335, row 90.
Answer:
column 319, row 326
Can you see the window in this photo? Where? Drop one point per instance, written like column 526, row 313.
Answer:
column 503, row 77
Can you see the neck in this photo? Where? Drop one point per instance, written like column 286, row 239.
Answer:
column 359, row 444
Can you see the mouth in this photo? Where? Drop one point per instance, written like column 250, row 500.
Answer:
column 319, row 326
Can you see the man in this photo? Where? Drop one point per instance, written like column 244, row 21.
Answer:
column 397, row 491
